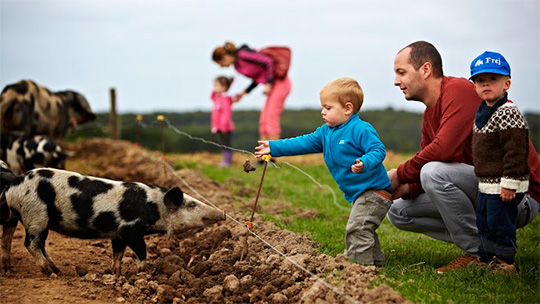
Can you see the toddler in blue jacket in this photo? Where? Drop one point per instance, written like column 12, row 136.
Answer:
column 353, row 154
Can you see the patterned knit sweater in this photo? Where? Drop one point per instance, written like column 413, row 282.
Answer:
column 500, row 151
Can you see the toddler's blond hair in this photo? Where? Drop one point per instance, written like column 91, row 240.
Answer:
column 347, row 90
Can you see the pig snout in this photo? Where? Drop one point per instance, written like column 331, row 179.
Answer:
column 213, row 216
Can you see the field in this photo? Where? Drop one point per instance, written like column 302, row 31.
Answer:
column 298, row 217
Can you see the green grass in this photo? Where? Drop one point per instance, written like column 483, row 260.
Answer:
column 411, row 257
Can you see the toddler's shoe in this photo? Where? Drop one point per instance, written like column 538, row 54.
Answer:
column 462, row 262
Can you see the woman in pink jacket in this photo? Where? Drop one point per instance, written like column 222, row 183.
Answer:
column 221, row 119
column 262, row 70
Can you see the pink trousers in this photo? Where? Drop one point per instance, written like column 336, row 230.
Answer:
column 270, row 120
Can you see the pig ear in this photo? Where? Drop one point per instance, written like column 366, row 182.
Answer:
column 174, row 198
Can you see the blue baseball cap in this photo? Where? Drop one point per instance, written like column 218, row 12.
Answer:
column 490, row 62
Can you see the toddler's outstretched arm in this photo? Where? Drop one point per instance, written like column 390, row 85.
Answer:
column 263, row 148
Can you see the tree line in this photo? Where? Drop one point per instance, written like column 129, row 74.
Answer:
column 398, row 130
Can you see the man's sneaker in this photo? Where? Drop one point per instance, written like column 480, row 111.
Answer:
column 500, row 266
column 461, row 262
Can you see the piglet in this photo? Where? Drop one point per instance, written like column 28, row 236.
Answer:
column 88, row 207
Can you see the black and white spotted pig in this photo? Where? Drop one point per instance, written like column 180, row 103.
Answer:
column 5, row 214
column 89, row 207
column 23, row 153
column 27, row 108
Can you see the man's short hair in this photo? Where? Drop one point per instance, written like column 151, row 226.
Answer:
column 422, row 52
column 347, row 90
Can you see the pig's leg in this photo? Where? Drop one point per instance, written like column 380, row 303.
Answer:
column 46, row 255
column 137, row 244
column 118, row 247
column 35, row 243
column 7, row 237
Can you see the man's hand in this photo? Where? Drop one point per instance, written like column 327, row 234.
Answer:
column 357, row 167
column 507, row 195
column 392, row 175
column 263, row 148
column 400, row 191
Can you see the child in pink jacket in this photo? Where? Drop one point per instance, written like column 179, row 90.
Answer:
column 221, row 118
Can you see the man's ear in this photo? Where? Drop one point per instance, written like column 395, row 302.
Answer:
column 427, row 70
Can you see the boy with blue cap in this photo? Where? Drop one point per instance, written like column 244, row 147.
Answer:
column 500, row 147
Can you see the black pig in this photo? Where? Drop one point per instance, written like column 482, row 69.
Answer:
column 89, row 207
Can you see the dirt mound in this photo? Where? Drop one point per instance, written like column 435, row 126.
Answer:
column 200, row 266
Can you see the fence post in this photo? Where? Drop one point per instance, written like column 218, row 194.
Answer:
column 161, row 119
column 138, row 130
column 112, row 116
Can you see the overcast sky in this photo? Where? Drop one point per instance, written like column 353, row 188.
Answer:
column 157, row 54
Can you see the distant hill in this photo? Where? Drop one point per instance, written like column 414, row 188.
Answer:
column 399, row 130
